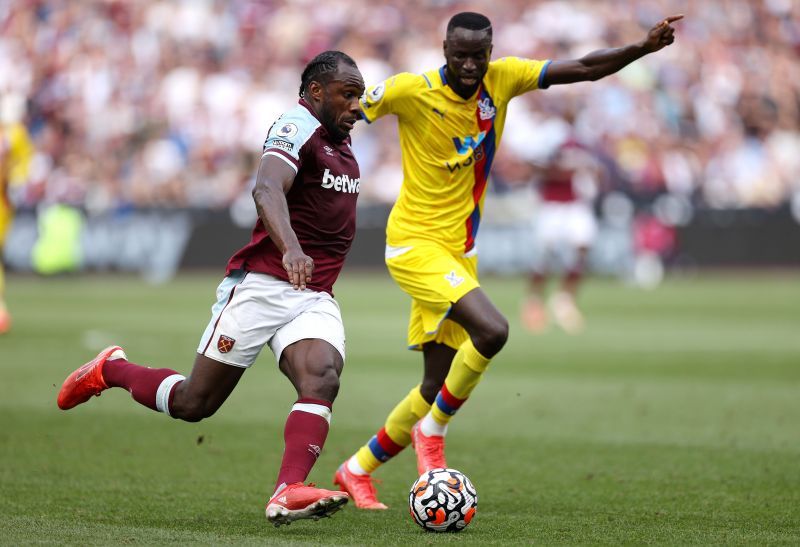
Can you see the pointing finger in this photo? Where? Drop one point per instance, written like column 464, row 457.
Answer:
column 672, row 19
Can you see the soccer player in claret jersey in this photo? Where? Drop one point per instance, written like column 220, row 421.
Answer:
column 450, row 122
column 277, row 290
column 564, row 230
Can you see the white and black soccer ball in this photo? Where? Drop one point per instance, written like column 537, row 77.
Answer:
column 443, row 500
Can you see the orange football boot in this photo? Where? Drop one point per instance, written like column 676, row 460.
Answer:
column 534, row 315
column 5, row 321
column 87, row 381
column 298, row 501
column 430, row 450
column 360, row 488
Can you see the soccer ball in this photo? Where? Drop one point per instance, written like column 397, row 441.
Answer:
column 443, row 500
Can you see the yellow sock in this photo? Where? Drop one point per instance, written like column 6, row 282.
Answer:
column 465, row 372
column 395, row 435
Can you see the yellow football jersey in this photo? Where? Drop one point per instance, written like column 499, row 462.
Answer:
column 448, row 144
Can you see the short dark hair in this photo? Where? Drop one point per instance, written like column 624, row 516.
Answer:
column 321, row 67
column 470, row 21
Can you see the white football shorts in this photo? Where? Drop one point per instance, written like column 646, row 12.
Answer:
column 559, row 224
column 254, row 309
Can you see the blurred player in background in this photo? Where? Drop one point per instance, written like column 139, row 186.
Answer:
column 564, row 229
column 16, row 152
column 450, row 122
column 277, row 290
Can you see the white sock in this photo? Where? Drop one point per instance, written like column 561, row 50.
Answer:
column 429, row 427
column 164, row 390
column 354, row 467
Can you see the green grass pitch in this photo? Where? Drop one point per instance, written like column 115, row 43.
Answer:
column 675, row 418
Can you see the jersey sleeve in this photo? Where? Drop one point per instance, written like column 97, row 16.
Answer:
column 390, row 96
column 519, row 76
column 286, row 138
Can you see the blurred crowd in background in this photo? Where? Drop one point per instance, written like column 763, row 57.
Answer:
column 167, row 103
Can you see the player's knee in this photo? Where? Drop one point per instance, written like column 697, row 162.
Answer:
column 322, row 382
column 192, row 410
column 492, row 337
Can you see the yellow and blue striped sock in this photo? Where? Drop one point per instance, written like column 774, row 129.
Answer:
column 465, row 372
column 394, row 436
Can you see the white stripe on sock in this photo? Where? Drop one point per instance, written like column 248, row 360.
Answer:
column 319, row 410
column 163, row 391
column 429, row 426
column 354, row 467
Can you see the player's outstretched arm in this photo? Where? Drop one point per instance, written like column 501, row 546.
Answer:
column 275, row 178
column 599, row 64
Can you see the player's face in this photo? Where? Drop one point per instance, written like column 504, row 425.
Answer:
column 339, row 109
column 467, row 53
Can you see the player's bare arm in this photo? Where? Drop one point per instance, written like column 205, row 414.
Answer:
column 599, row 64
column 275, row 178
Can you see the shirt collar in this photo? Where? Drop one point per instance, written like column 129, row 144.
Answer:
column 307, row 106
column 451, row 91
column 302, row 102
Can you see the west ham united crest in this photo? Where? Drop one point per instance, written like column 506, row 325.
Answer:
column 225, row 343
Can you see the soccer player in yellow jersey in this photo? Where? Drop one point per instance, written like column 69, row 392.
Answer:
column 16, row 151
column 450, row 122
